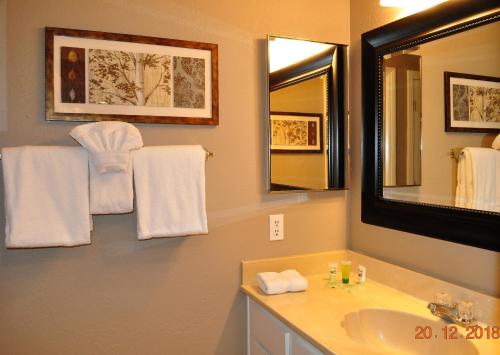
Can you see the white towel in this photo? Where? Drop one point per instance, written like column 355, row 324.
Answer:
column 109, row 145
column 46, row 196
column 465, row 183
column 111, row 193
column 170, row 191
column 273, row 283
column 478, row 179
column 296, row 281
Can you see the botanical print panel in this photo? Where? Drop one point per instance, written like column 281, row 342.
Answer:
column 189, row 82
column 290, row 133
column 128, row 78
column 294, row 131
column 477, row 104
column 72, row 75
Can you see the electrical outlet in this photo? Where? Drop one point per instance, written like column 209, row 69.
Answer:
column 276, row 226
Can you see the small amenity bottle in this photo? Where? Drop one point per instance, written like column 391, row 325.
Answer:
column 332, row 275
column 361, row 274
column 345, row 267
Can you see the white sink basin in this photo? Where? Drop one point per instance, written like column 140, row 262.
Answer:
column 393, row 332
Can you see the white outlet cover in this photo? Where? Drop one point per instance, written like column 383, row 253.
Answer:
column 276, row 227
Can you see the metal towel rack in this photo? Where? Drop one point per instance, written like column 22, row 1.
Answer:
column 208, row 154
column 455, row 153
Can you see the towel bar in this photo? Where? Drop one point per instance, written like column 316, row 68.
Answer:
column 208, row 153
column 454, row 153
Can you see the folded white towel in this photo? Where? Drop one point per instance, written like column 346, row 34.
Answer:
column 478, row 179
column 170, row 191
column 109, row 145
column 272, row 283
column 46, row 196
column 296, row 281
column 464, row 192
column 112, row 192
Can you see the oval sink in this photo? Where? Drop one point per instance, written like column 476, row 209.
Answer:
column 395, row 332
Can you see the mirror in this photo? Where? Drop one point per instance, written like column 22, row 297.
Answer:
column 306, row 121
column 431, row 109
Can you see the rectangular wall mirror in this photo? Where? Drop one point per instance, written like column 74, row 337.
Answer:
column 431, row 115
column 307, row 123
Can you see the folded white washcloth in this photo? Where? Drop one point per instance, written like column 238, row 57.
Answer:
column 170, row 191
column 46, row 196
column 273, row 283
column 297, row 281
column 109, row 145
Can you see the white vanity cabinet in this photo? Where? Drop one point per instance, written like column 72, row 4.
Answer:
column 266, row 335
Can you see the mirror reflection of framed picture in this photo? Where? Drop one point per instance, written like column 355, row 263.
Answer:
column 472, row 103
column 296, row 132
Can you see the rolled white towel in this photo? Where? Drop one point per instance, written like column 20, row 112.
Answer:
column 272, row 283
column 296, row 281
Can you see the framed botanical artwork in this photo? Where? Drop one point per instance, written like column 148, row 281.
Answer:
column 294, row 132
column 472, row 103
column 95, row 76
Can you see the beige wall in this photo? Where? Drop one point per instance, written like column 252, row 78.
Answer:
column 471, row 267
column 172, row 296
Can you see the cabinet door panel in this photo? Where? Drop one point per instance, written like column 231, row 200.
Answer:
column 268, row 331
column 302, row 347
column 257, row 349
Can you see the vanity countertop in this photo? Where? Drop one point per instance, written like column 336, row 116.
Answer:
column 317, row 313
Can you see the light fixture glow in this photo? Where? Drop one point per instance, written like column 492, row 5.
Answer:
column 284, row 52
column 411, row 5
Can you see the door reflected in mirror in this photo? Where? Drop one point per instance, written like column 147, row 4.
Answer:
column 402, row 120
column 307, row 144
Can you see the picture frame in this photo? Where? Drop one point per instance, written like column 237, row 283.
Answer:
column 472, row 103
column 296, row 132
column 96, row 76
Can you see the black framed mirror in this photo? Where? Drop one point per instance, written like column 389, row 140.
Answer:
column 307, row 115
column 413, row 208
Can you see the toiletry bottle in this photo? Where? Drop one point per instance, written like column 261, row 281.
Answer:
column 332, row 275
column 345, row 268
column 361, row 274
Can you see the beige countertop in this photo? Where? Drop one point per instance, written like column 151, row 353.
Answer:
column 317, row 313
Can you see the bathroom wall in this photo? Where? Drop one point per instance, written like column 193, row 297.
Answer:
column 467, row 266
column 170, row 296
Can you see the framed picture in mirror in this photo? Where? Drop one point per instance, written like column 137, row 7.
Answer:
column 472, row 102
column 294, row 132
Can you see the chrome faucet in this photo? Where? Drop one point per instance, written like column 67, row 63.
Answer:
column 460, row 315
